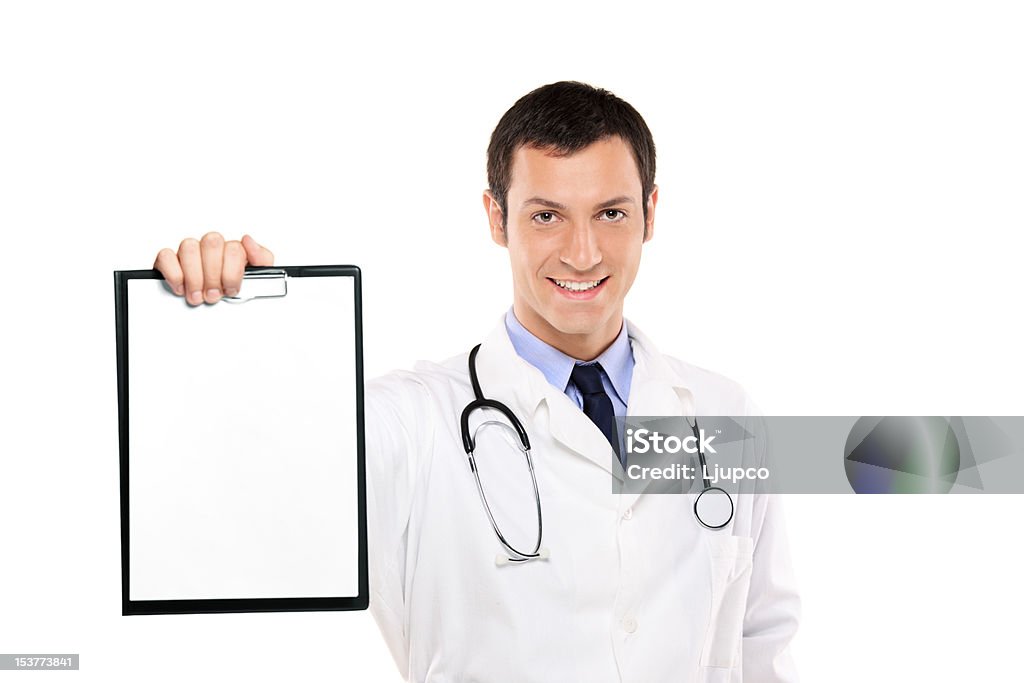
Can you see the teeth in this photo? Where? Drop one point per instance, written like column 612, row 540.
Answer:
column 577, row 286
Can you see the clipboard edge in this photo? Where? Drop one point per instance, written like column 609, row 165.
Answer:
column 131, row 607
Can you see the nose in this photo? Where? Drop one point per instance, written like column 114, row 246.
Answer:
column 581, row 250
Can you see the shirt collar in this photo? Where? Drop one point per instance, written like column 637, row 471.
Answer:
column 617, row 359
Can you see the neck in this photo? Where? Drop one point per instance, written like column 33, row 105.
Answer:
column 584, row 346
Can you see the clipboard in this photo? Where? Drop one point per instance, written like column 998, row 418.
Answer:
column 241, row 438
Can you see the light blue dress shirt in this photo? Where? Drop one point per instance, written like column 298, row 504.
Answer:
column 616, row 363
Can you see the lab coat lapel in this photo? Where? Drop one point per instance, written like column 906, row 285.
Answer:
column 571, row 427
column 656, row 389
column 504, row 375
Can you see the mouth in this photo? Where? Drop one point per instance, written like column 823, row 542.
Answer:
column 579, row 289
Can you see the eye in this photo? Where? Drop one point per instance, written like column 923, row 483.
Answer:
column 544, row 217
column 613, row 215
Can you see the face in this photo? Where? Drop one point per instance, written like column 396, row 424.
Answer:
column 574, row 233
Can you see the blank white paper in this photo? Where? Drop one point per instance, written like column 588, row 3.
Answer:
column 243, row 444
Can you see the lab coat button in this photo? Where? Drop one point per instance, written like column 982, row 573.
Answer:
column 628, row 514
column 629, row 624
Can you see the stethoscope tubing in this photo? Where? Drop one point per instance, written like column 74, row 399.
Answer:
column 516, row 555
column 469, row 443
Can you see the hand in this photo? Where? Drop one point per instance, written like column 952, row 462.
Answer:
column 210, row 268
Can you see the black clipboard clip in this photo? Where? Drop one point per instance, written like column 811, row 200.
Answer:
column 272, row 283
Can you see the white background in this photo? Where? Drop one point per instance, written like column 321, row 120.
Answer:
column 839, row 229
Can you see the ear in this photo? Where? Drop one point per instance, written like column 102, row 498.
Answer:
column 652, row 201
column 495, row 219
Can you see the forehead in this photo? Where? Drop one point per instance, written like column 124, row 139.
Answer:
column 602, row 169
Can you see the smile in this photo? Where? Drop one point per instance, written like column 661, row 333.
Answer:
column 577, row 285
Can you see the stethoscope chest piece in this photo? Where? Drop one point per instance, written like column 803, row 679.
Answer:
column 713, row 508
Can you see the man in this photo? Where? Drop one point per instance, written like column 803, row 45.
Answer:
column 629, row 587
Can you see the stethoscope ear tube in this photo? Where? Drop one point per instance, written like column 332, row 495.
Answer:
column 514, row 555
column 467, row 438
column 481, row 402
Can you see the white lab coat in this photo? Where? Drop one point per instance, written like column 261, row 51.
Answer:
column 634, row 589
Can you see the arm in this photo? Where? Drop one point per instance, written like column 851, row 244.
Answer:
column 396, row 435
column 773, row 604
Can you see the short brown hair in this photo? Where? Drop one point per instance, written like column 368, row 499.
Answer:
column 565, row 117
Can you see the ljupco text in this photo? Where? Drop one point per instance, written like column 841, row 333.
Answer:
column 713, row 473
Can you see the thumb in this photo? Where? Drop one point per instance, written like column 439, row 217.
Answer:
column 255, row 254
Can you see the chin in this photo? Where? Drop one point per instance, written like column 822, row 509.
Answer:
column 578, row 322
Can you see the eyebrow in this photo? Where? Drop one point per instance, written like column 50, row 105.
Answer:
column 622, row 199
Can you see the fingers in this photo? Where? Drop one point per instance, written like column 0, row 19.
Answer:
column 211, row 248
column 207, row 269
column 257, row 255
column 234, row 267
column 167, row 263
column 190, row 258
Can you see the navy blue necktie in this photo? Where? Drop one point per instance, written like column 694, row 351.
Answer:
column 596, row 404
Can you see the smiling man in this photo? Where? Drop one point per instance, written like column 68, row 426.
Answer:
column 475, row 586
column 574, row 234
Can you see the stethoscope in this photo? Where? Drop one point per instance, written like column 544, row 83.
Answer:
column 713, row 507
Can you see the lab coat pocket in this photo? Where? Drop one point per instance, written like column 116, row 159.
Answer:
column 731, row 562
